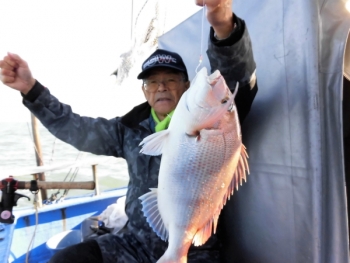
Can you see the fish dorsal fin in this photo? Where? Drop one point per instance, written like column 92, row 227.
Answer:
column 153, row 144
column 239, row 175
column 150, row 209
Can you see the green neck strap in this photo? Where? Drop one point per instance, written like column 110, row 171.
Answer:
column 161, row 125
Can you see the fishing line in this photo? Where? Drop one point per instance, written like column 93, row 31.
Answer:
column 79, row 157
column 74, row 175
column 165, row 20
column 136, row 20
column 201, row 45
column 53, row 151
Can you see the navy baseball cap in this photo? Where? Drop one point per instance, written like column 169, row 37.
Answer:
column 163, row 59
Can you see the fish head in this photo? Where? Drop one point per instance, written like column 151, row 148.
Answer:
column 208, row 99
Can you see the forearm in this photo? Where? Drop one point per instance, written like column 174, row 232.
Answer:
column 97, row 136
column 219, row 15
column 233, row 56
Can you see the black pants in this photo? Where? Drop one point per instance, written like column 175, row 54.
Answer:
column 346, row 133
column 124, row 247
column 87, row 252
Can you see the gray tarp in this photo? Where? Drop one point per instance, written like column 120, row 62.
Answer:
column 293, row 206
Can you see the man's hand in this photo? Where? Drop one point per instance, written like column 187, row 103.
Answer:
column 15, row 73
column 219, row 15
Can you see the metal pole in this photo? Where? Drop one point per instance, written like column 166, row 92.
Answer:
column 58, row 185
column 39, row 158
column 94, row 173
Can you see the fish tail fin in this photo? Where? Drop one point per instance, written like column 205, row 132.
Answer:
column 170, row 257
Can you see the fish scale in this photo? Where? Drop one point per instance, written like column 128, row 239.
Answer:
column 203, row 161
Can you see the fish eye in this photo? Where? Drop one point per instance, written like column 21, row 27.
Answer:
column 225, row 100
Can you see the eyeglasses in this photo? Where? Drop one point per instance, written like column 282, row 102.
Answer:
column 152, row 85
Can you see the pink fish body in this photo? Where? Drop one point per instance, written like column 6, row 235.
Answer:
column 203, row 160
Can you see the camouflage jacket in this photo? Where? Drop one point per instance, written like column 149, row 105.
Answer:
column 120, row 136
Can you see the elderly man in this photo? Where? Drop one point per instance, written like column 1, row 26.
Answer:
column 165, row 79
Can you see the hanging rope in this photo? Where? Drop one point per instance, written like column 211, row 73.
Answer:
column 31, row 243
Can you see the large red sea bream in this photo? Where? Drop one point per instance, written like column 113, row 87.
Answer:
column 203, row 161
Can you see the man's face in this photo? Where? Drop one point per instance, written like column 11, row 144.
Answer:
column 169, row 88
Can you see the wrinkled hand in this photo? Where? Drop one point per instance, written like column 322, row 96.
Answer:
column 15, row 73
column 219, row 15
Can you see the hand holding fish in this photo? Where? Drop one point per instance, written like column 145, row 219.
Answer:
column 16, row 74
column 219, row 15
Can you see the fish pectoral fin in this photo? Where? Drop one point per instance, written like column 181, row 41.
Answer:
column 153, row 144
column 150, row 209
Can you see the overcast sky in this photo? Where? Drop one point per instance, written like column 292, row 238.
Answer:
column 72, row 47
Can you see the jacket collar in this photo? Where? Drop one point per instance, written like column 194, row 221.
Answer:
column 138, row 114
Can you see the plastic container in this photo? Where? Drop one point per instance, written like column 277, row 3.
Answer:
column 63, row 240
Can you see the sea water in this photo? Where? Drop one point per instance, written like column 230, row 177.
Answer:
column 17, row 151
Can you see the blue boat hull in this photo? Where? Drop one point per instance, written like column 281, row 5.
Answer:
column 52, row 219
